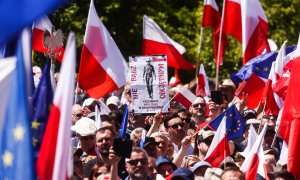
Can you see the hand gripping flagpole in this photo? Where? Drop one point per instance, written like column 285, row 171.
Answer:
column 219, row 47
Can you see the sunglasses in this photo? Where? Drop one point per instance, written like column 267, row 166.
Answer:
column 197, row 105
column 135, row 162
column 176, row 126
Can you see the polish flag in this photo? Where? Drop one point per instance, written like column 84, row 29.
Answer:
column 202, row 83
column 175, row 80
column 185, row 97
column 252, row 136
column 254, row 161
column 103, row 67
column 254, row 87
column 219, row 148
column 232, row 23
column 38, row 31
column 155, row 41
column 53, row 159
column 212, row 18
column 254, row 30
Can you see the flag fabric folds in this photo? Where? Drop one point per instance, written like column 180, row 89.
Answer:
column 259, row 65
column 41, row 103
column 17, row 15
column 52, row 162
column 235, row 124
column 254, row 29
column 290, row 121
column 212, row 18
column 219, row 148
column 202, row 88
column 254, row 161
column 38, row 31
column 124, row 122
column 7, row 67
column 15, row 142
column 233, row 19
column 102, row 66
column 185, row 97
column 155, row 41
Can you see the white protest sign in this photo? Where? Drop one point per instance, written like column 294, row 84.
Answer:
column 149, row 83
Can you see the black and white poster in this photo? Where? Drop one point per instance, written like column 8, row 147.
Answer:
column 149, row 83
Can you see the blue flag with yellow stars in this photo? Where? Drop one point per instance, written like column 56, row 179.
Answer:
column 260, row 65
column 16, row 152
column 41, row 103
column 235, row 123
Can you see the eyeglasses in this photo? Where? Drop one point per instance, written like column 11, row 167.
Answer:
column 135, row 162
column 176, row 126
column 197, row 105
column 91, row 137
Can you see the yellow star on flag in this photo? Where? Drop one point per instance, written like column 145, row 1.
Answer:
column 266, row 69
column 7, row 158
column 19, row 133
column 35, row 124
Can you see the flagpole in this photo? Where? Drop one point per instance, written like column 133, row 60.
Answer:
column 169, row 101
column 76, row 92
column 199, row 51
column 219, row 47
column 262, row 116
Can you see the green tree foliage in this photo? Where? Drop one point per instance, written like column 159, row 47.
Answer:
column 181, row 20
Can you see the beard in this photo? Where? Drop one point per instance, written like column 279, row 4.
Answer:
column 139, row 174
column 104, row 151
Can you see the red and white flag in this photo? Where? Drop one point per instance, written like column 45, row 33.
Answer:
column 53, row 159
column 212, row 18
column 185, row 97
column 254, row 161
column 254, row 30
column 283, row 70
column 102, row 66
column 38, row 30
column 202, row 88
column 290, row 121
column 219, row 148
column 232, row 20
column 252, row 136
column 155, row 41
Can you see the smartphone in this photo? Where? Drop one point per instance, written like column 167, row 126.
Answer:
column 122, row 147
column 217, row 97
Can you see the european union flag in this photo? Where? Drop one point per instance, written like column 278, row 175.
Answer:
column 41, row 102
column 260, row 65
column 16, row 153
column 235, row 123
column 17, row 14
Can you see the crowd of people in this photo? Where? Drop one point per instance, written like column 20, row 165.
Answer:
column 164, row 145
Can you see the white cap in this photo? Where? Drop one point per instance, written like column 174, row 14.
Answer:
column 88, row 102
column 113, row 100
column 252, row 121
column 85, row 127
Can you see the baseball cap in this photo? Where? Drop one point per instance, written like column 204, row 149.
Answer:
column 200, row 164
column 183, row 173
column 205, row 134
column 252, row 121
column 213, row 173
column 250, row 112
column 150, row 140
column 113, row 100
column 88, row 102
column 164, row 160
column 228, row 82
column 85, row 127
